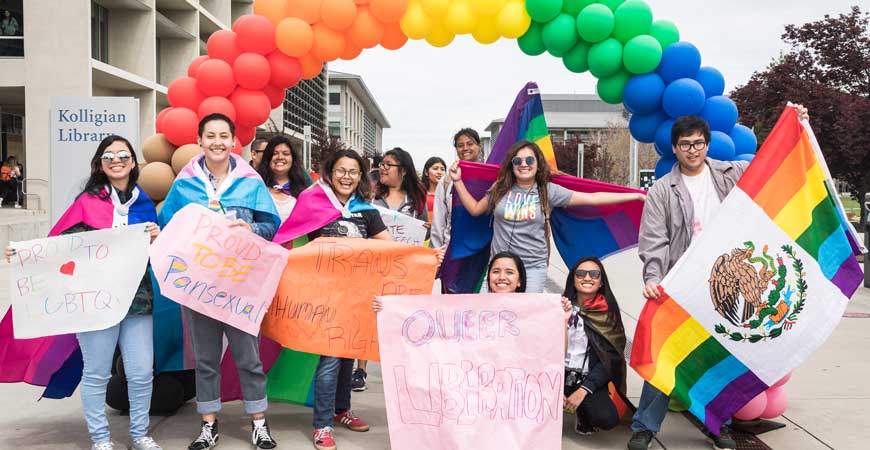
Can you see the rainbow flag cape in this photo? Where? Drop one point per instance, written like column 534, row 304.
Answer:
column 56, row 361
column 524, row 121
column 578, row 231
column 759, row 290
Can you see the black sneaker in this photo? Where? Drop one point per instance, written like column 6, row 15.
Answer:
column 208, row 437
column 261, row 438
column 358, row 380
column 640, row 440
column 724, row 441
column 581, row 427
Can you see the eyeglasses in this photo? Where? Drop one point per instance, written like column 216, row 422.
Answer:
column 341, row 173
column 257, row 152
column 386, row 166
column 697, row 145
column 594, row 274
column 529, row 160
column 122, row 155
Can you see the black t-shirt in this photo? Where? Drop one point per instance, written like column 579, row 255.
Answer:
column 363, row 224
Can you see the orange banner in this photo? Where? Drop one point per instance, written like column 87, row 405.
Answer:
column 324, row 300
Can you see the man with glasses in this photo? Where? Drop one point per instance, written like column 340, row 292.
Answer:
column 257, row 149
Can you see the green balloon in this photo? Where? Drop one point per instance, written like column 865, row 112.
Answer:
column 605, row 58
column 632, row 18
column 665, row 32
column 556, row 53
column 612, row 4
column 576, row 59
column 573, row 7
column 531, row 42
column 543, row 10
column 560, row 34
column 610, row 89
column 595, row 23
column 642, row 54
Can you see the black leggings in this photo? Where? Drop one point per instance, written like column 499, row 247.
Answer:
column 596, row 409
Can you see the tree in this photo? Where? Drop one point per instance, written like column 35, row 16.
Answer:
column 827, row 69
column 605, row 155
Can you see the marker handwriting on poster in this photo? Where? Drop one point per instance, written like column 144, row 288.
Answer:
column 402, row 228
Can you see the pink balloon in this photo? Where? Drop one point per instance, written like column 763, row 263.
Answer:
column 777, row 402
column 752, row 409
column 782, row 380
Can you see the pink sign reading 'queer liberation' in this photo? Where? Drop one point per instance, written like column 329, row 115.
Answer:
column 228, row 274
column 484, row 369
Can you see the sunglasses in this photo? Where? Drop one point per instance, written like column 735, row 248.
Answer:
column 122, row 155
column 529, row 160
column 594, row 274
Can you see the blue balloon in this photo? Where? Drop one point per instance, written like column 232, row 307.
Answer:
column 720, row 113
column 643, row 93
column 664, row 166
column 679, row 60
column 683, row 97
column 711, row 80
column 721, row 146
column 745, row 157
column 643, row 126
column 663, row 138
column 745, row 142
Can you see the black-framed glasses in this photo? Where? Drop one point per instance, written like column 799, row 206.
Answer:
column 257, row 152
column 581, row 273
column 529, row 160
column 386, row 166
column 122, row 155
column 687, row 146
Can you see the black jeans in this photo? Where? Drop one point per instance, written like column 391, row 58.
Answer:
column 596, row 409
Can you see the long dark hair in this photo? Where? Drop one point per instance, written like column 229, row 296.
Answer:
column 613, row 314
column 521, row 268
column 298, row 179
column 364, row 188
column 98, row 180
column 506, row 178
column 411, row 184
column 429, row 163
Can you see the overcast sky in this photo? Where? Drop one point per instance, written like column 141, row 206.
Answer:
column 428, row 93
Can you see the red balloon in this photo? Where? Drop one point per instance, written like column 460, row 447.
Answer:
column 223, row 44
column 285, row 70
column 245, row 135
column 220, row 105
column 183, row 93
column 158, row 121
column 191, row 69
column 275, row 94
column 215, row 78
column 255, row 34
column 179, row 126
column 252, row 71
column 252, row 107
column 237, row 146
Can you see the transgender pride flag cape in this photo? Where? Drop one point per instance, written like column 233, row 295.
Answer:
column 578, row 231
column 759, row 290
column 56, row 361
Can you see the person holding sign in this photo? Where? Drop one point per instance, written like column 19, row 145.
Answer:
column 521, row 200
column 595, row 354
column 223, row 182
column 111, row 199
column 283, row 174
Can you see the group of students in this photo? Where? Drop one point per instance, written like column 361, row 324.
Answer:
column 519, row 201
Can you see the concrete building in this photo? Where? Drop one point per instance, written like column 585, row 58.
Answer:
column 354, row 115
column 305, row 105
column 130, row 48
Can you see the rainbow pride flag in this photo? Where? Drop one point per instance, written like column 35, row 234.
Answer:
column 759, row 290
column 524, row 121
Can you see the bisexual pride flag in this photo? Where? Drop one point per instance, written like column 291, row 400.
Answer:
column 759, row 290
column 524, row 121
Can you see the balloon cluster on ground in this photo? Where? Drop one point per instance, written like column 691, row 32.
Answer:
column 164, row 161
column 766, row 405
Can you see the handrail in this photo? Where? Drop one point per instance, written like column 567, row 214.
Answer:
column 26, row 194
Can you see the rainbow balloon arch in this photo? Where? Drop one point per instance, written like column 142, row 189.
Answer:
column 638, row 61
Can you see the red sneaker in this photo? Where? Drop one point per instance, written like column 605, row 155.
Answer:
column 350, row 420
column 323, row 439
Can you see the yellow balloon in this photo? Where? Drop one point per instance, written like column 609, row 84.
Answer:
column 415, row 23
column 460, row 18
column 488, row 7
column 485, row 32
column 435, row 8
column 513, row 20
column 439, row 36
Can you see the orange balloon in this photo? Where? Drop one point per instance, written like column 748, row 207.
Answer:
column 388, row 11
column 393, row 38
column 338, row 14
column 361, row 2
column 274, row 10
column 328, row 43
column 311, row 66
column 351, row 51
column 307, row 10
column 366, row 30
column 294, row 36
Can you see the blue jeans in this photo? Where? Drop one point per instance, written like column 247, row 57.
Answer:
column 652, row 410
column 331, row 389
column 135, row 336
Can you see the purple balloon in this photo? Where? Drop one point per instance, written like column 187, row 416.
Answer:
column 720, row 113
column 683, row 97
column 711, row 80
column 679, row 60
column 744, row 139
column 721, row 146
column 643, row 126
column 643, row 93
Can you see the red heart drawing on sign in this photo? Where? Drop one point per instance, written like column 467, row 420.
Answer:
column 68, row 268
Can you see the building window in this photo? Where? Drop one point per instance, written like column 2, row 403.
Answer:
column 11, row 28
column 335, row 129
column 99, row 33
column 334, row 98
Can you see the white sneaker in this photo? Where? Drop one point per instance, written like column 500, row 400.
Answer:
column 108, row 445
column 145, row 443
